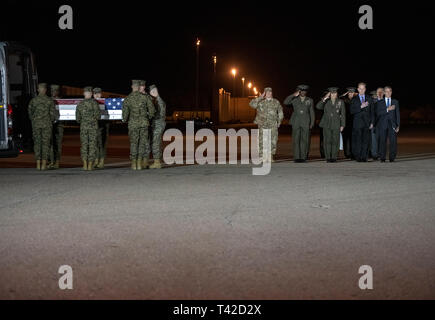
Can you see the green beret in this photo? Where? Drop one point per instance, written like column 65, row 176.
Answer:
column 303, row 87
column 42, row 85
column 142, row 83
column 97, row 90
column 333, row 89
column 153, row 86
column 351, row 89
column 87, row 89
column 54, row 87
column 268, row 89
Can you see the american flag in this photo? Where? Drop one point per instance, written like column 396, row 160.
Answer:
column 111, row 108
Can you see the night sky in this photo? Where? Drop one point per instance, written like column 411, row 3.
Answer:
column 278, row 44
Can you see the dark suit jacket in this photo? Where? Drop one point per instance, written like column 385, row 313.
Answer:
column 384, row 118
column 362, row 118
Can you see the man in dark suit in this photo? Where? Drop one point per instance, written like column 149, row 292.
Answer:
column 387, row 124
column 361, row 107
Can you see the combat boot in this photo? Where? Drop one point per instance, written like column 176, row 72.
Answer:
column 139, row 164
column 56, row 164
column 91, row 165
column 85, row 165
column 145, row 163
column 38, row 164
column 134, row 164
column 95, row 162
column 156, row 165
column 44, row 165
column 101, row 163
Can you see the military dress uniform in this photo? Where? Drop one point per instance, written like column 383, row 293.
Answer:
column 269, row 116
column 57, row 132
column 41, row 113
column 334, row 117
column 87, row 115
column 137, row 110
column 302, row 120
column 102, row 138
column 158, row 127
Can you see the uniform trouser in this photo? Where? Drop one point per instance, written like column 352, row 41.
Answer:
column 360, row 143
column 374, row 142
column 41, row 142
column 273, row 139
column 301, row 142
column 390, row 134
column 347, row 142
column 158, row 127
column 331, row 142
column 88, row 148
column 139, row 142
column 56, row 142
column 103, row 136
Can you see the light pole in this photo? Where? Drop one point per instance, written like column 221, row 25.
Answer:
column 249, row 86
column 197, row 74
column 234, row 71
column 243, row 87
column 214, row 96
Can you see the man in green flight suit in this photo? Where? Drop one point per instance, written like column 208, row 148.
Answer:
column 87, row 115
column 332, row 122
column 302, row 121
column 137, row 110
column 269, row 116
column 41, row 114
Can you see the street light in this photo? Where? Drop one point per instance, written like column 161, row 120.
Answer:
column 198, row 42
column 234, row 71
column 243, row 87
column 255, row 91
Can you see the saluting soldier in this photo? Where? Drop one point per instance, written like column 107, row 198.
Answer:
column 302, row 121
column 347, row 132
column 41, row 114
column 333, row 122
column 87, row 115
column 137, row 110
column 158, row 127
column 103, row 135
column 57, row 134
column 269, row 116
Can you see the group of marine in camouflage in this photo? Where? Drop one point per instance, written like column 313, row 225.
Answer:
column 366, row 122
column 141, row 110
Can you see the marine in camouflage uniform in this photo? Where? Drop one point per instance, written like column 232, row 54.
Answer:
column 269, row 116
column 332, row 123
column 57, row 132
column 158, row 125
column 137, row 110
column 87, row 115
column 102, row 136
column 302, row 121
column 145, row 156
column 41, row 113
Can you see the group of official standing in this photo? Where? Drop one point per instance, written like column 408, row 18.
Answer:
column 365, row 122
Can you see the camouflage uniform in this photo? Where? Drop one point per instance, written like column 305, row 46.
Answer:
column 158, row 127
column 137, row 109
column 57, row 132
column 87, row 114
column 334, row 117
column 102, row 136
column 269, row 116
column 302, row 120
column 41, row 114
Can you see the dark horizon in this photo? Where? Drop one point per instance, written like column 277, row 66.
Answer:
column 281, row 47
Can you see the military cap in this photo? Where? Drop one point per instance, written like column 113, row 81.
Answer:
column 96, row 90
column 267, row 89
column 54, row 87
column 42, row 85
column 87, row 89
column 135, row 82
column 153, row 86
column 303, row 87
column 351, row 89
column 333, row 89
column 142, row 83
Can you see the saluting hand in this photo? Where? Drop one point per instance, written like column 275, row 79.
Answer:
column 326, row 96
column 296, row 93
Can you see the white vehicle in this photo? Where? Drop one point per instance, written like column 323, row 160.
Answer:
column 18, row 85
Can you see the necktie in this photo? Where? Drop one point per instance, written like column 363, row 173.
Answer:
column 388, row 103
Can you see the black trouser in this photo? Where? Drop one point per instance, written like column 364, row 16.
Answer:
column 360, row 143
column 347, row 142
column 390, row 134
